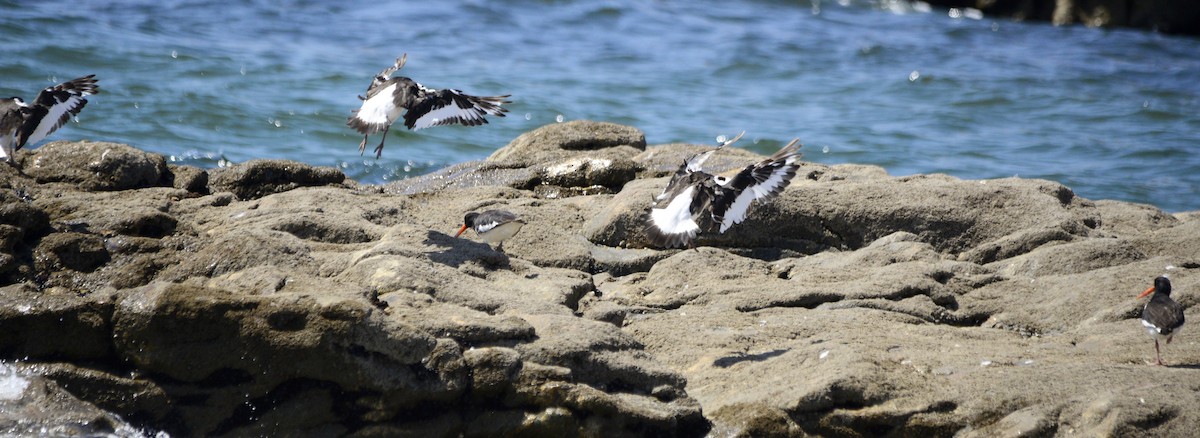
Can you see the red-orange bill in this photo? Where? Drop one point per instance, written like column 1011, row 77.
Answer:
column 464, row 228
column 1147, row 292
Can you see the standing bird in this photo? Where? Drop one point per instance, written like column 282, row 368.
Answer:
column 1162, row 316
column 388, row 96
column 22, row 124
column 493, row 226
column 696, row 201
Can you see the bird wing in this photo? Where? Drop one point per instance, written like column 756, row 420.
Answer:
column 760, row 181
column 54, row 106
column 11, row 119
column 446, row 107
column 1165, row 314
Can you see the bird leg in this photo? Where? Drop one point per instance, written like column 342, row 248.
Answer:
column 379, row 149
column 1157, row 354
column 362, row 145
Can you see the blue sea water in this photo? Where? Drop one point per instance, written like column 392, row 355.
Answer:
column 1114, row 114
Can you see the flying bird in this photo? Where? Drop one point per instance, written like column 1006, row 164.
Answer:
column 1162, row 316
column 388, row 97
column 493, row 226
column 24, row 123
column 695, row 201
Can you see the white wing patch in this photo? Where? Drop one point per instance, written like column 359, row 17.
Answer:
column 1155, row 330
column 448, row 114
column 380, row 110
column 55, row 118
column 676, row 217
column 741, row 205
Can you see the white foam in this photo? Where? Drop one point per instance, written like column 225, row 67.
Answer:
column 12, row 384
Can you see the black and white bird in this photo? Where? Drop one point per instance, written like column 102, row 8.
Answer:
column 388, row 97
column 1162, row 316
column 695, row 201
column 493, row 226
column 29, row 123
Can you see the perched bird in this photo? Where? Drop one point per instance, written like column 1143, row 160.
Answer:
column 22, row 123
column 1162, row 316
column 387, row 97
column 493, row 226
column 695, row 201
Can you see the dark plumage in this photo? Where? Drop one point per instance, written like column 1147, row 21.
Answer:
column 493, row 226
column 1162, row 316
column 695, row 201
column 25, row 124
column 388, row 97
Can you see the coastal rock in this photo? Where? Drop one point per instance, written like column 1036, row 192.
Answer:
column 558, row 160
column 278, row 301
column 96, row 166
column 565, row 140
column 190, row 178
column 258, row 178
column 982, row 220
column 34, row 404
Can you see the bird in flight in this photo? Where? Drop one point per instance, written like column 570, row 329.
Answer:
column 388, row 97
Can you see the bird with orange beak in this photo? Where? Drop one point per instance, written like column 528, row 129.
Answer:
column 493, row 226
column 1162, row 316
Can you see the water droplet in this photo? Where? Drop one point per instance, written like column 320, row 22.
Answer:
column 825, row 149
column 243, row 70
column 136, row 106
column 914, row 76
column 721, row 139
column 995, row 27
column 559, row 118
column 174, row 54
column 408, row 168
column 955, row 13
column 528, row 116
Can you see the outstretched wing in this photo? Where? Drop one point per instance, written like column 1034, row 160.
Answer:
column 694, row 164
column 447, row 107
column 54, row 106
column 760, row 181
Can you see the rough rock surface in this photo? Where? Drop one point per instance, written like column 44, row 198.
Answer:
column 274, row 298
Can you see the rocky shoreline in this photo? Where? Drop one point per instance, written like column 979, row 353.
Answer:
column 274, row 297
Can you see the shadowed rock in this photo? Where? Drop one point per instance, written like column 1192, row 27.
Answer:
column 258, row 178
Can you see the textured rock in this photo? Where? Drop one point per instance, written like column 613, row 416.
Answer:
column 96, row 166
column 565, row 140
column 33, row 404
column 856, row 304
column 558, row 160
column 258, row 178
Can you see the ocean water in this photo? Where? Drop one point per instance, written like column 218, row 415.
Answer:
column 1114, row 114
